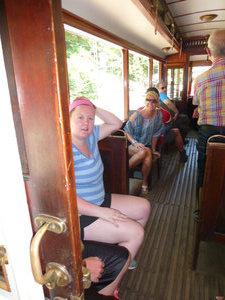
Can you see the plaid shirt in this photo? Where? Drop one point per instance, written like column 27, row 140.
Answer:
column 209, row 94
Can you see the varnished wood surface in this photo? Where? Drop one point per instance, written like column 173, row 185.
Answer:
column 113, row 151
column 212, row 220
column 164, row 270
column 34, row 52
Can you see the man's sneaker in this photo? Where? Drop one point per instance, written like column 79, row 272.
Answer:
column 132, row 265
column 183, row 156
column 196, row 214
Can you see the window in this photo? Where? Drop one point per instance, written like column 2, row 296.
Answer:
column 155, row 74
column 195, row 72
column 175, row 83
column 138, row 79
column 95, row 70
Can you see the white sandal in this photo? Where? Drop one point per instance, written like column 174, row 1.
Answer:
column 144, row 190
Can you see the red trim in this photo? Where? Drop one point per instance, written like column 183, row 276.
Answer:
column 175, row 2
column 198, row 12
column 183, row 32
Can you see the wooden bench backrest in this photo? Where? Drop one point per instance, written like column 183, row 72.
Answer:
column 212, row 210
column 113, row 151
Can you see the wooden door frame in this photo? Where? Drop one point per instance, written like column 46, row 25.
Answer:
column 34, row 52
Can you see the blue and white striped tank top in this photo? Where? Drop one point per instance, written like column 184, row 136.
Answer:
column 89, row 171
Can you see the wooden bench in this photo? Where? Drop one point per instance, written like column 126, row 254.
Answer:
column 211, row 226
column 113, row 151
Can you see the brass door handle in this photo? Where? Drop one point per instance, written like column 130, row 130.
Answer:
column 86, row 278
column 56, row 274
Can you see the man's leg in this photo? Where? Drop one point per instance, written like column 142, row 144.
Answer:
column 182, row 122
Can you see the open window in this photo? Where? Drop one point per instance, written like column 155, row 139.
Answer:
column 175, row 82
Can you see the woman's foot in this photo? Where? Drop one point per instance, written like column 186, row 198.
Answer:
column 144, row 190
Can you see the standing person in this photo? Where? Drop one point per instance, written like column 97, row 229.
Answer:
column 109, row 218
column 209, row 95
column 143, row 130
column 180, row 121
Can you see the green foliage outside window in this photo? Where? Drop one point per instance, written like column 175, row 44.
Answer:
column 138, row 79
column 81, row 66
column 138, row 68
column 86, row 59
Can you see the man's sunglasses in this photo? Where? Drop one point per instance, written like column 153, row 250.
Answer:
column 150, row 100
column 163, row 88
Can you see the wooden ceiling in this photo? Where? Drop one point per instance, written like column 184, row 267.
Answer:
column 154, row 24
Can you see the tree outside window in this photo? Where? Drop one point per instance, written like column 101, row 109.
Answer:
column 138, row 79
column 95, row 70
column 155, row 74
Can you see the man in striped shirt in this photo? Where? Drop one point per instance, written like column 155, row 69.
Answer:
column 209, row 95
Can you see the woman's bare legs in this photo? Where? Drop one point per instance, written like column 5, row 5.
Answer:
column 129, row 233
column 143, row 156
column 110, row 289
column 180, row 145
column 136, row 208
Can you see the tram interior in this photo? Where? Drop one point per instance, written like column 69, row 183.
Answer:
column 165, row 260
column 172, row 37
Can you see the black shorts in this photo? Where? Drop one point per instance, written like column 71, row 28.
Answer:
column 113, row 256
column 87, row 220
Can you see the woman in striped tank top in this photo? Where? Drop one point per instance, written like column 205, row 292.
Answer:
column 110, row 218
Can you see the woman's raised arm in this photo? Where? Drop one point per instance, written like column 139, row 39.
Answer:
column 111, row 122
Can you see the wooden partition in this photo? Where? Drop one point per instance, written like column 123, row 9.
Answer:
column 212, row 208
column 113, row 150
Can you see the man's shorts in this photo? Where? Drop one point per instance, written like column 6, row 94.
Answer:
column 113, row 256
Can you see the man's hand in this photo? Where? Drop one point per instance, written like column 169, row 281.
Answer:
column 95, row 266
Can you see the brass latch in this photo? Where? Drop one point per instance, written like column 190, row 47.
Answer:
column 56, row 274
column 3, row 256
column 81, row 297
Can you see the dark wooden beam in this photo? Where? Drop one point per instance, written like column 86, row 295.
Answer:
column 149, row 12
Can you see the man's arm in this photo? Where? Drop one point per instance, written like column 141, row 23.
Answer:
column 171, row 106
column 95, row 266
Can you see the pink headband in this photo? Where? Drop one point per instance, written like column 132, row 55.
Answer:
column 79, row 102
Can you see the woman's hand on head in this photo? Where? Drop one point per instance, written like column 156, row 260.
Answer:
column 112, row 215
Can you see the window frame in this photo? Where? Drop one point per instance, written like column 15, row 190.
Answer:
column 79, row 23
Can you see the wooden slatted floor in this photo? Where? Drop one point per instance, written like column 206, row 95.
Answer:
column 165, row 258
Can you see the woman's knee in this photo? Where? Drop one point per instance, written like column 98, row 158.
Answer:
column 135, row 232
column 148, row 156
column 143, row 153
column 144, row 206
